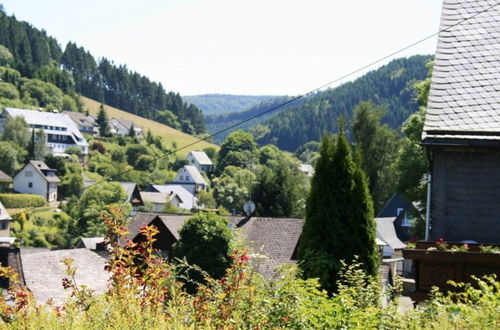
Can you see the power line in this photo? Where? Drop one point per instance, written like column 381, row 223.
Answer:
column 296, row 98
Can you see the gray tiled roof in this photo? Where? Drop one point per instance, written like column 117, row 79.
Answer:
column 43, row 272
column 41, row 166
column 275, row 239
column 387, row 232
column 4, row 177
column 464, row 99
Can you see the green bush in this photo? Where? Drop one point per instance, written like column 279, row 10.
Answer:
column 16, row 201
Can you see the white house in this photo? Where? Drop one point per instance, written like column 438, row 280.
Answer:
column 5, row 219
column 160, row 199
column 60, row 129
column 121, row 126
column 37, row 178
column 307, row 169
column 191, row 179
column 200, row 160
column 188, row 200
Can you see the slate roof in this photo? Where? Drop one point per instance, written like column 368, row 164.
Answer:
column 188, row 200
column 42, row 168
column 4, row 177
column 43, row 272
column 158, row 197
column 81, row 119
column 201, row 157
column 387, row 232
column 273, row 239
column 464, row 98
column 89, row 242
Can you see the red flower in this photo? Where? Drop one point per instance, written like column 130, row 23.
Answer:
column 244, row 257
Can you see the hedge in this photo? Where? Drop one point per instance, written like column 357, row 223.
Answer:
column 16, row 201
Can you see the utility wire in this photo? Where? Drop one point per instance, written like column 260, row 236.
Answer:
column 296, row 98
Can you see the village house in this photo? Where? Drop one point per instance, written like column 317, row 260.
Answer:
column 5, row 220
column 273, row 241
column 121, row 127
column 160, row 199
column 85, row 123
column 307, row 169
column 59, row 128
column 462, row 125
column 200, row 160
column 188, row 201
column 191, row 179
column 5, row 181
column 37, row 178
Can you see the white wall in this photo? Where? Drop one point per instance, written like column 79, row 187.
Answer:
column 39, row 184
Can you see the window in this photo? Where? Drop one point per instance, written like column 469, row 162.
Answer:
column 3, row 225
column 399, row 211
column 28, row 174
column 30, row 184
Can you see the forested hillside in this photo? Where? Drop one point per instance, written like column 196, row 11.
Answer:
column 37, row 55
column 217, row 123
column 217, row 104
column 307, row 119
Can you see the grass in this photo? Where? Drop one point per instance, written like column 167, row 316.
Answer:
column 167, row 133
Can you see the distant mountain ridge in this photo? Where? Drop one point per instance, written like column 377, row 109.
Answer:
column 216, row 104
column 307, row 119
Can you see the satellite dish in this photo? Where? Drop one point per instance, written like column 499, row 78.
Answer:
column 249, row 207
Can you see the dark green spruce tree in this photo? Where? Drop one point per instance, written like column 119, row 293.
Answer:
column 339, row 217
column 102, row 122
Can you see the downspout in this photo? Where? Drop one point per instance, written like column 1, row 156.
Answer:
column 429, row 194
column 428, row 210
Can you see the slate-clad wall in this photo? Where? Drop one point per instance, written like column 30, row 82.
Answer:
column 466, row 195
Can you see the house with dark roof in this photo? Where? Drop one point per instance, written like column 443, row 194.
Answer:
column 5, row 181
column 85, row 123
column 42, row 270
column 462, row 125
column 402, row 215
column 273, row 241
column 37, row 178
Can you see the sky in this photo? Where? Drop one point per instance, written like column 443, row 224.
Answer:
column 256, row 47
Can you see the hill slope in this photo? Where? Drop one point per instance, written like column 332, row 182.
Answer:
column 216, row 104
column 36, row 55
column 291, row 127
column 168, row 134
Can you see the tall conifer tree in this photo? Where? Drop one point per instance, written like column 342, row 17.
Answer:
column 339, row 216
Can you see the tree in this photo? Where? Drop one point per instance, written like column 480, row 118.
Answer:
column 6, row 57
column 339, row 217
column 16, row 130
column 8, row 158
column 205, row 242
column 37, row 148
column 93, row 202
column 377, row 145
column 280, row 190
column 102, row 122
column 131, row 131
column 238, row 149
column 412, row 163
column 232, row 188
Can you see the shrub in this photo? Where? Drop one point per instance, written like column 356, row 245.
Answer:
column 16, row 201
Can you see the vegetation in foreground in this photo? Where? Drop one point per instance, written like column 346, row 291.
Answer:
column 146, row 293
